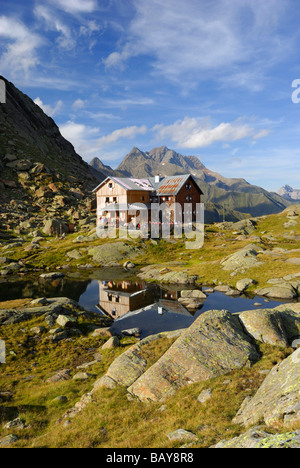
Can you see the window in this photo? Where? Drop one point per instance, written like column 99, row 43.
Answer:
column 110, row 185
column 115, row 199
column 188, row 186
column 107, row 200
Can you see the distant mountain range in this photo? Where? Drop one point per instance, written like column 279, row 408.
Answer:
column 235, row 197
column 289, row 193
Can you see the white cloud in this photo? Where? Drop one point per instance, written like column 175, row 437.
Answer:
column 89, row 28
column 124, row 103
column 51, row 111
column 82, row 137
column 86, row 139
column 78, row 104
column 261, row 134
column 128, row 132
column 77, row 132
column 21, row 45
column 198, row 133
column 53, row 23
column 75, row 6
column 186, row 39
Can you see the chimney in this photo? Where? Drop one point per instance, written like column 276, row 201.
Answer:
column 157, row 179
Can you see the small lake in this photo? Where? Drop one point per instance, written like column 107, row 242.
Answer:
column 132, row 303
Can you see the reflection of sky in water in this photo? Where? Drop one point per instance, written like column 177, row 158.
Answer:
column 151, row 322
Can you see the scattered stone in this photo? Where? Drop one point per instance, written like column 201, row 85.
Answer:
column 128, row 265
column 65, row 321
column 222, row 288
column 41, row 301
column 15, row 424
column 233, row 292
column 83, row 376
column 132, row 332
column 38, row 330
column 181, row 435
column 279, row 291
column 60, row 376
column 55, row 227
column 51, row 276
column 60, row 399
column 5, row 396
column 74, row 254
column 8, row 440
column 111, row 343
column 204, row 396
column 195, row 294
column 244, row 284
column 102, row 332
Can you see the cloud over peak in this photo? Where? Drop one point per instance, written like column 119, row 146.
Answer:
column 198, row 133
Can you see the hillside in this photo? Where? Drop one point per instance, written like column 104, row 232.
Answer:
column 40, row 172
column 70, row 381
column 228, row 193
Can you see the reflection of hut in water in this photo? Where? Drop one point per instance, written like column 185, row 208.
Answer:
column 161, row 307
column 118, row 298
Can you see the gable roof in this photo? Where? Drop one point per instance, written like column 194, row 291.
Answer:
column 170, row 185
column 129, row 183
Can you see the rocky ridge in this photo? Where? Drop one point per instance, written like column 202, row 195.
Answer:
column 41, row 175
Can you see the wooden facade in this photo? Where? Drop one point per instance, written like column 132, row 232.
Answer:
column 115, row 196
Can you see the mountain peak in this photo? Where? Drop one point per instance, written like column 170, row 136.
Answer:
column 289, row 193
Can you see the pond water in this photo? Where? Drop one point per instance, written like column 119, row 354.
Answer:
column 131, row 303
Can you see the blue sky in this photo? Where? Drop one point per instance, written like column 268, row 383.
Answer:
column 210, row 78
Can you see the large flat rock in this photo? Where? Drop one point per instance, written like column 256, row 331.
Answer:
column 257, row 437
column 278, row 398
column 242, row 259
column 277, row 327
column 115, row 252
column 213, row 345
column 130, row 365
